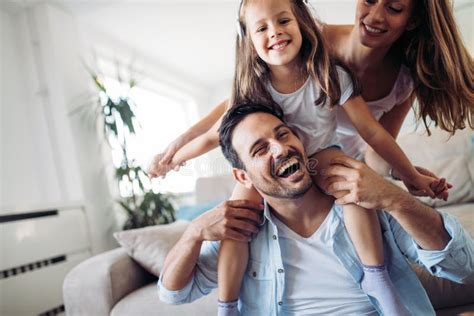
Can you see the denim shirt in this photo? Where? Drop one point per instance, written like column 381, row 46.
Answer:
column 263, row 285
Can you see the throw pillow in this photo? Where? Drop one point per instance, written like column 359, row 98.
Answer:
column 149, row 246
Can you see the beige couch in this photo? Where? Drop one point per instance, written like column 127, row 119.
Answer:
column 113, row 283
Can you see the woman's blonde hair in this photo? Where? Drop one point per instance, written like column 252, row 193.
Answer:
column 441, row 66
column 251, row 72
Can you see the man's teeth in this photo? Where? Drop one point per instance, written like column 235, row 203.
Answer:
column 292, row 162
column 373, row 30
column 278, row 46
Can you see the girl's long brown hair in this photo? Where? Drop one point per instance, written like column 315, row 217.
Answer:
column 441, row 66
column 251, row 72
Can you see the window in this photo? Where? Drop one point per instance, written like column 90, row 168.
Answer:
column 161, row 117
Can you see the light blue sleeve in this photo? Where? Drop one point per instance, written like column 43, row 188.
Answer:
column 455, row 262
column 203, row 281
column 346, row 85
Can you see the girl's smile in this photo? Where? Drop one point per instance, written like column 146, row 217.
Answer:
column 274, row 31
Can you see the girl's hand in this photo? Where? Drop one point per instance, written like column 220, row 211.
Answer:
column 427, row 184
column 171, row 149
column 158, row 169
column 440, row 186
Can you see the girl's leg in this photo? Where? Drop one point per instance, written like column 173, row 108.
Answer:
column 233, row 258
column 363, row 228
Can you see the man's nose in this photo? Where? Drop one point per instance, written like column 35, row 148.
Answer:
column 278, row 150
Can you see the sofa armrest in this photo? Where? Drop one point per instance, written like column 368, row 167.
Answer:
column 94, row 286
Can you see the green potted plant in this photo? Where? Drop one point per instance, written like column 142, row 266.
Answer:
column 142, row 205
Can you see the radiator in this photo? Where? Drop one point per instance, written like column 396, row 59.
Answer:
column 38, row 249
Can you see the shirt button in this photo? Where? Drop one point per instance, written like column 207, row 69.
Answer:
column 280, row 271
column 274, row 237
column 254, row 274
column 280, row 303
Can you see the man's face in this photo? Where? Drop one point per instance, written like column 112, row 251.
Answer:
column 273, row 156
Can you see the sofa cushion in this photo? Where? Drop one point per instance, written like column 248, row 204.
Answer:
column 451, row 157
column 150, row 245
column 144, row 301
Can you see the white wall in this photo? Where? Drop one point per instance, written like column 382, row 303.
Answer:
column 49, row 158
column 28, row 174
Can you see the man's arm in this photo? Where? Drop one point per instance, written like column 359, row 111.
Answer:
column 371, row 191
column 181, row 281
column 433, row 239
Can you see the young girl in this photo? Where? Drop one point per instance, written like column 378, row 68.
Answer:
column 280, row 57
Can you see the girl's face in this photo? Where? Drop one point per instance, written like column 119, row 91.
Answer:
column 274, row 31
column 381, row 22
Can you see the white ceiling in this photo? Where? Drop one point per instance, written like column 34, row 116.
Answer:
column 195, row 38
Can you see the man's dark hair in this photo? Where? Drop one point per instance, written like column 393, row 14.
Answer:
column 231, row 119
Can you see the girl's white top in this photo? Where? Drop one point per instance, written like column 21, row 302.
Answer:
column 315, row 125
column 350, row 139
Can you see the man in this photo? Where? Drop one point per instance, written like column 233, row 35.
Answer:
column 302, row 260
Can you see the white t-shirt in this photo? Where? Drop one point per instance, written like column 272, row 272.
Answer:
column 315, row 125
column 352, row 144
column 315, row 281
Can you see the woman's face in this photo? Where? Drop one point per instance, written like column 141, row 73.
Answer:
column 381, row 22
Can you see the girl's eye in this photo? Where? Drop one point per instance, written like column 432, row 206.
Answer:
column 261, row 29
column 369, row 1
column 284, row 21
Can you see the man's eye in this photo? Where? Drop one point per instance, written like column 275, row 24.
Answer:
column 369, row 1
column 260, row 150
column 282, row 135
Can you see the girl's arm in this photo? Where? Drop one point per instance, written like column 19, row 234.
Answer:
column 384, row 144
column 162, row 162
column 194, row 131
column 198, row 146
column 392, row 122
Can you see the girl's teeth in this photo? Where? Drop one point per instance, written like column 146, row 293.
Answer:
column 280, row 45
column 373, row 30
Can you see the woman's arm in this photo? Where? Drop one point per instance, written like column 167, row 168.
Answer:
column 392, row 122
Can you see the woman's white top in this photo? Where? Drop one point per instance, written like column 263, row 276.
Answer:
column 352, row 144
column 315, row 125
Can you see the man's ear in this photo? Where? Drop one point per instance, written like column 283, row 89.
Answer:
column 242, row 177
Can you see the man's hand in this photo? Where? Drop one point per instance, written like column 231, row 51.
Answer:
column 359, row 184
column 236, row 220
